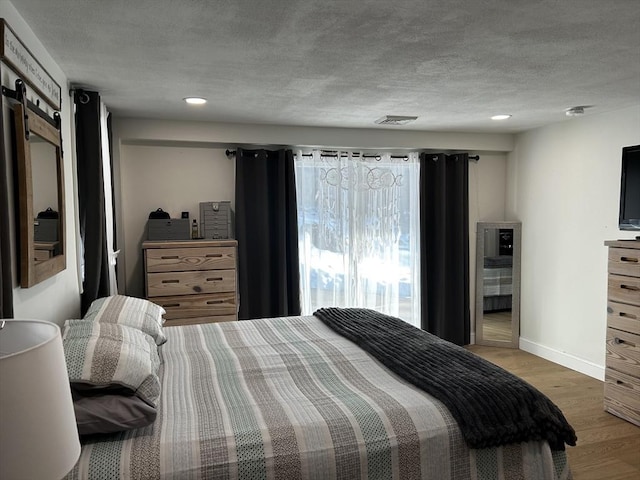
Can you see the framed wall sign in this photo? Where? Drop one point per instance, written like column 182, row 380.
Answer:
column 17, row 56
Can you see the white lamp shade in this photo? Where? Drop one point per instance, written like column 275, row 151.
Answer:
column 38, row 433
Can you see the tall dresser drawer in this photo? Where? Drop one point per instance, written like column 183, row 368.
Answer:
column 624, row 317
column 624, row 261
column 622, row 395
column 188, row 259
column 185, row 283
column 624, row 289
column 623, row 352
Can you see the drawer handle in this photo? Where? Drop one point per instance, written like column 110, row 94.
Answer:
column 213, row 255
column 171, row 305
column 629, row 259
column 620, row 341
column 169, row 257
column 619, row 382
column 628, row 315
column 214, row 302
column 215, row 279
column 633, row 288
column 170, row 281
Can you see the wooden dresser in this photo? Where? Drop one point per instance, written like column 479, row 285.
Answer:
column 194, row 280
column 622, row 378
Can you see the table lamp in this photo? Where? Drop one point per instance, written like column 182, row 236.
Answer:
column 38, row 433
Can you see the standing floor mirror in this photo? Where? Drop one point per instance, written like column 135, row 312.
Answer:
column 498, row 284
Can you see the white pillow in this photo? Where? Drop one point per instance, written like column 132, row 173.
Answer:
column 130, row 311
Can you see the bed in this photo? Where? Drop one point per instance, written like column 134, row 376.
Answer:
column 498, row 283
column 292, row 398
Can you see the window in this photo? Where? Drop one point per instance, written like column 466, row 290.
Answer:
column 358, row 228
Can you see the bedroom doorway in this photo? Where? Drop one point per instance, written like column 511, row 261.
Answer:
column 358, row 230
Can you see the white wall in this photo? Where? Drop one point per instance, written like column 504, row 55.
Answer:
column 487, row 193
column 44, row 173
column 564, row 185
column 56, row 298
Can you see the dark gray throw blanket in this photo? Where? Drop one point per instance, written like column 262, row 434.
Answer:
column 492, row 406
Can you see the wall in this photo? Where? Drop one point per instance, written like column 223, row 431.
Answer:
column 175, row 165
column 43, row 174
column 173, row 178
column 56, row 298
column 564, row 185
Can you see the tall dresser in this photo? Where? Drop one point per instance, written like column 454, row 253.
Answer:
column 194, row 280
column 622, row 378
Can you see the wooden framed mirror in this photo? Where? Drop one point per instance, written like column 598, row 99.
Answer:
column 40, row 196
column 498, row 284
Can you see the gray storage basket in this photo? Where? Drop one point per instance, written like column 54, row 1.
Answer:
column 168, row 229
column 45, row 229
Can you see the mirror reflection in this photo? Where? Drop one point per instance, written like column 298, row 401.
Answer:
column 44, row 174
column 497, row 277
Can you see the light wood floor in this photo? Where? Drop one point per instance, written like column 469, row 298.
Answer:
column 608, row 448
column 497, row 326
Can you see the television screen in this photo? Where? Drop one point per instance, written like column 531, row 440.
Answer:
column 630, row 189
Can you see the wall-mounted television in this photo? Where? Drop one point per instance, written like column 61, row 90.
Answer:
column 630, row 189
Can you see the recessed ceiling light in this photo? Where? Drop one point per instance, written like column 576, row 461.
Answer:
column 500, row 117
column 195, row 100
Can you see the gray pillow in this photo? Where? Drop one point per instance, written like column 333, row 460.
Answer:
column 107, row 413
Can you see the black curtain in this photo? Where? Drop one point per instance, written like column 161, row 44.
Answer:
column 6, row 276
column 267, row 234
column 444, row 249
column 91, row 197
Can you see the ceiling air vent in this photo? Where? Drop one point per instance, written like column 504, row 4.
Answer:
column 395, row 120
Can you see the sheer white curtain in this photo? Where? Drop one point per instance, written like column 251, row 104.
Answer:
column 358, row 228
column 108, row 198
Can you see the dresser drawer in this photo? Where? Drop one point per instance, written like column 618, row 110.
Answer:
column 622, row 316
column 624, row 289
column 622, row 395
column 197, row 320
column 188, row 283
column 623, row 352
column 190, row 306
column 192, row 258
column 624, row 261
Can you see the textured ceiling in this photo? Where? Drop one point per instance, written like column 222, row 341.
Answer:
column 346, row 63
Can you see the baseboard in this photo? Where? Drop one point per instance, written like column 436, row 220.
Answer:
column 564, row 359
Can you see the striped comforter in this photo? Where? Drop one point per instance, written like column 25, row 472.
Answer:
column 288, row 398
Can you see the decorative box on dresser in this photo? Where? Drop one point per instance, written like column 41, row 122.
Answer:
column 622, row 377
column 194, row 280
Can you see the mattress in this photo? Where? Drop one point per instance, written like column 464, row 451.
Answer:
column 288, row 398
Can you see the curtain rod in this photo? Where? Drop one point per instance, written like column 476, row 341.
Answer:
column 333, row 154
